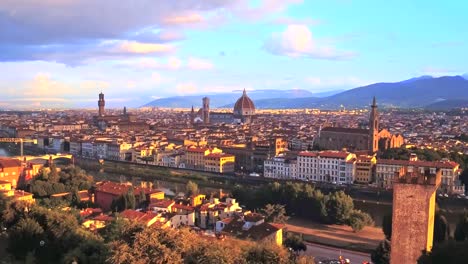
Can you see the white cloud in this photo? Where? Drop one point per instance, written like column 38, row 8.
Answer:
column 199, row 64
column 439, row 71
column 143, row 48
column 156, row 77
column 189, row 18
column 174, row 63
column 297, row 41
column 186, row 88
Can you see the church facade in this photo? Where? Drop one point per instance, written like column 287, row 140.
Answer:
column 356, row 139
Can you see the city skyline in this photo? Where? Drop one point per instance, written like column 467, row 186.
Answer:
column 61, row 54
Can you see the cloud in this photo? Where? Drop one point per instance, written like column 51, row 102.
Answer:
column 156, row 77
column 184, row 19
column 143, row 48
column 199, row 64
column 439, row 71
column 297, row 41
column 186, row 88
column 174, row 63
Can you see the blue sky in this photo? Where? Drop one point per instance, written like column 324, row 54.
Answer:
column 63, row 53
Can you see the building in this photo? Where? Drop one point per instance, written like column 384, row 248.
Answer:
column 209, row 213
column 365, row 168
column 244, row 109
column 10, row 170
column 280, row 167
column 243, row 112
column 372, row 139
column 219, row 162
column 195, row 156
column 413, row 214
column 251, row 226
column 106, row 192
column 17, row 195
column 326, row 166
column 450, row 172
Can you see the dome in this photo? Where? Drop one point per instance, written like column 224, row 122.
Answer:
column 244, row 106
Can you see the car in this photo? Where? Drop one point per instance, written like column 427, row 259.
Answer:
column 446, row 195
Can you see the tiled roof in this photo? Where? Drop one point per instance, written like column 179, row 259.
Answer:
column 346, row 130
column 9, row 163
column 334, row 154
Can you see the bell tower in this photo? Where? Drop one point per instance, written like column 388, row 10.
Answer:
column 101, row 104
column 206, row 110
column 374, row 128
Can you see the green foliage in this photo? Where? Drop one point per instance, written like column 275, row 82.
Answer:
column 274, row 213
column 25, row 237
column 266, row 253
column 50, row 181
column 114, row 229
column 441, row 228
column 191, row 188
column 387, row 226
column 339, row 206
column 63, row 237
column 130, row 198
column 299, row 199
column 381, row 255
column 461, row 231
column 450, row 252
column 295, row 242
column 358, row 220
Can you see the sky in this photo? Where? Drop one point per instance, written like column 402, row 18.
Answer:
column 62, row 53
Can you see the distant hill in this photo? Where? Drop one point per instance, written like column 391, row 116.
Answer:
column 223, row 99
column 417, row 92
column 448, row 104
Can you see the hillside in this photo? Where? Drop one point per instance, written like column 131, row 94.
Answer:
column 445, row 92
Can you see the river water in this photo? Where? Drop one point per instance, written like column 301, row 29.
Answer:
column 3, row 153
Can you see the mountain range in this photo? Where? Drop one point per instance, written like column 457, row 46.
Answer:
column 421, row 92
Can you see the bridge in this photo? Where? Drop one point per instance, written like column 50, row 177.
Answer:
column 48, row 157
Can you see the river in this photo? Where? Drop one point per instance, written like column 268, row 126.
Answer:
column 3, row 153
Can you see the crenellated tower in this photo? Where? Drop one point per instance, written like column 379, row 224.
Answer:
column 101, row 104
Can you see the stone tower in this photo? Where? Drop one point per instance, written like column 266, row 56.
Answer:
column 374, row 128
column 413, row 214
column 192, row 116
column 101, row 104
column 206, row 110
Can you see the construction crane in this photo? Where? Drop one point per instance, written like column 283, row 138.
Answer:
column 18, row 140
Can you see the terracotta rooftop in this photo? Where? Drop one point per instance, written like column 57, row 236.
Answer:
column 346, row 130
column 9, row 163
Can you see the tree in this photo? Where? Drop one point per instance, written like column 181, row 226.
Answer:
column 25, row 237
column 130, row 199
column 295, row 242
column 113, row 230
column 461, row 231
column 449, row 252
column 191, row 188
column 338, row 206
column 387, row 226
column 381, row 255
column 358, row 220
column 441, row 228
column 275, row 213
column 266, row 253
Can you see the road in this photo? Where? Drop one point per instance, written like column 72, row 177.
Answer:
column 323, row 252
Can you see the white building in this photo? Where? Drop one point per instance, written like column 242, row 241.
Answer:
column 326, row 166
column 280, row 167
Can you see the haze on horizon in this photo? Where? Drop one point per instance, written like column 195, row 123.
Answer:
column 63, row 53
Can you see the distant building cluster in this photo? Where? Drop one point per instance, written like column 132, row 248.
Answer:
column 224, row 218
